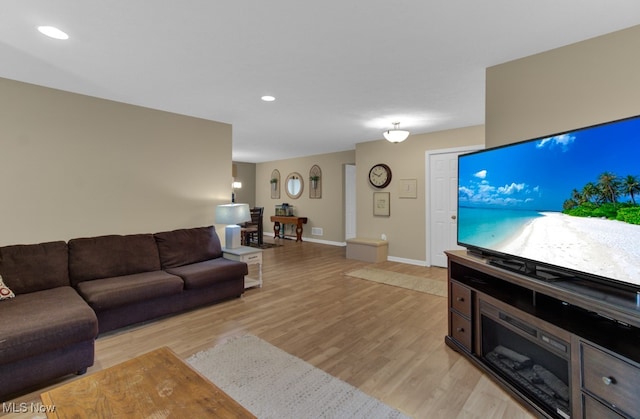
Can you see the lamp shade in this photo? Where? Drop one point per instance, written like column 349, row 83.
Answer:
column 232, row 213
column 396, row 135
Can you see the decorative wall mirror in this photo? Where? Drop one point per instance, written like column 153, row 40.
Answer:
column 294, row 185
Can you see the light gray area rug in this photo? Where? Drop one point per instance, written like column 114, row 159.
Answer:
column 416, row 283
column 271, row 383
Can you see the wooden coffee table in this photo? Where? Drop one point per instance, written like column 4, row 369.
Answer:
column 156, row 384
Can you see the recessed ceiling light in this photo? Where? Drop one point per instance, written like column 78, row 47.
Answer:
column 268, row 98
column 52, row 32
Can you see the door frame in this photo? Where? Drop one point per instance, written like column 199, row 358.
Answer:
column 350, row 201
column 427, row 187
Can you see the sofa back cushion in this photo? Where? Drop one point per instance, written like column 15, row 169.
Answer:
column 34, row 267
column 190, row 245
column 108, row 256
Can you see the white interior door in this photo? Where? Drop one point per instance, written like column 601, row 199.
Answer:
column 443, row 203
column 349, row 201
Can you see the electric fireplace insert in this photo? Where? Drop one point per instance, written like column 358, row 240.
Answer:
column 529, row 357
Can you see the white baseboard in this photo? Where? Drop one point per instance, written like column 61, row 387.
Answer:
column 330, row 243
column 312, row 240
column 343, row 244
column 407, row 261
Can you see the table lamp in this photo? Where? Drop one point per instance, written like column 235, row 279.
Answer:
column 232, row 214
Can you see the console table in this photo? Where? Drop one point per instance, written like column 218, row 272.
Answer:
column 281, row 219
column 587, row 335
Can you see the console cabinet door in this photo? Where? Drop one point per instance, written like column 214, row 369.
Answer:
column 460, row 314
column 461, row 299
column 611, row 379
column 461, row 330
column 592, row 409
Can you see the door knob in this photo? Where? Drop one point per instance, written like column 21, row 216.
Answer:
column 453, row 217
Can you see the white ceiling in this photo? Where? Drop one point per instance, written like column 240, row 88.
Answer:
column 342, row 70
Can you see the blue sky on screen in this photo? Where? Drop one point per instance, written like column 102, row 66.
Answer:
column 541, row 174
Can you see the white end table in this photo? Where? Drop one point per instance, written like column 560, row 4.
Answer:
column 248, row 255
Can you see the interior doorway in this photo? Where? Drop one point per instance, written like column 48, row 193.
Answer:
column 349, row 201
column 441, row 169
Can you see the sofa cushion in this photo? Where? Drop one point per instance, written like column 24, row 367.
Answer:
column 107, row 293
column 5, row 292
column 44, row 321
column 110, row 256
column 207, row 273
column 185, row 246
column 34, row 267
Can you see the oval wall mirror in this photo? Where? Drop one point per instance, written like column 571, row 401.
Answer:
column 294, row 185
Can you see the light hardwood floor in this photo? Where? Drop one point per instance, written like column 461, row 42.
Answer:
column 387, row 341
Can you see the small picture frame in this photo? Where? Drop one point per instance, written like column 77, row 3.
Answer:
column 381, row 204
column 408, row 188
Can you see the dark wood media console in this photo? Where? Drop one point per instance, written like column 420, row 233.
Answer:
column 580, row 342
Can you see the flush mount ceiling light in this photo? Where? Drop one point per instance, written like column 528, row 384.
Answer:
column 268, row 98
column 396, row 135
column 52, row 32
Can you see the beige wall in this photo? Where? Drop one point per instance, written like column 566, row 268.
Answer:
column 246, row 174
column 73, row 165
column 578, row 85
column 327, row 212
column 406, row 228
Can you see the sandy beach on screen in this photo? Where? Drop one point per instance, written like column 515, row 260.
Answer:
column 607, row 248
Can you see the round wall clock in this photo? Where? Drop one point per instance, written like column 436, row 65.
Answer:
column 380, row 175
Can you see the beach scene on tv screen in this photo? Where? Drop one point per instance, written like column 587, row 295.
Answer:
column 570, row 200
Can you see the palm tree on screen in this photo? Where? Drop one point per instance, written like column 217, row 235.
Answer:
column 631, row 186
column 609, row 186
column 577, row 197
column 590, row 191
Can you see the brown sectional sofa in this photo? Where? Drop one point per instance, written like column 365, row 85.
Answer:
column 67, row 293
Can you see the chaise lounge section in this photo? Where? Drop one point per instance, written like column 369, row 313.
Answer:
column 47, row 330
column 68, row 293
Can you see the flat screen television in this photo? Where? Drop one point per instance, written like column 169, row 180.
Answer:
column 558, row 207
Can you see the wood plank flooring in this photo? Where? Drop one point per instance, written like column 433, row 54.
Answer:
column 385, row 340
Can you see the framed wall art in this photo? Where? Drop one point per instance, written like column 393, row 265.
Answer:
column 274, row 183
column 408, row 188
column 315, row 182
column 381, row 204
